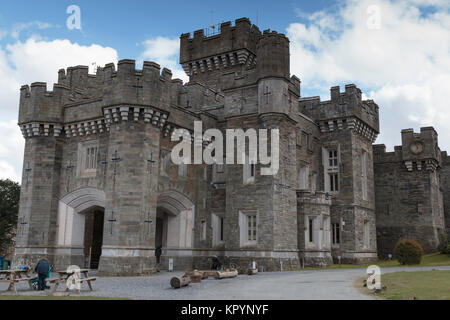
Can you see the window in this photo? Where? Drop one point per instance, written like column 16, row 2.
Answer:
column 87, row 159
column 251, row 228
column 331, row 160
column 366, row 234
column 248, row 224
column 336, row 233
column 310, row 229
column 314, row 182
column 304, row 177
column 326, row 232
column 364, row 174
column 203, row 229
column 91, row 158
column 218, row 221
column 182, row 170
column 249, row 172
column 334, row 182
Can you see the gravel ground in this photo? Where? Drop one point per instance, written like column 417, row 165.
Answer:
column 297, row 285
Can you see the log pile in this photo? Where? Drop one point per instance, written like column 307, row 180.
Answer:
column 178, row 282
column 195, row 275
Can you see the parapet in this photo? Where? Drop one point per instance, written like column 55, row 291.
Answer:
column 231, row 46
column 343, row 105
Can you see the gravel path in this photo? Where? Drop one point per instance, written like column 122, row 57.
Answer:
column 297, row 285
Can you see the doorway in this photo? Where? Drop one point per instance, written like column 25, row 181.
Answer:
column 93, row 237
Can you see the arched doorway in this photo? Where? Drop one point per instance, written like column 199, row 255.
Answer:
column 174, row 225
column 80, row 225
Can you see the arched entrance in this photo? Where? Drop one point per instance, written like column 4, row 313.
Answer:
column 80, row 224
column 174, row 224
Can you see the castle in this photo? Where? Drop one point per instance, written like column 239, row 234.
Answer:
column 99, row 188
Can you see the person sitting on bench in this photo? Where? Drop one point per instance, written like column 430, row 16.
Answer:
column 42, row 269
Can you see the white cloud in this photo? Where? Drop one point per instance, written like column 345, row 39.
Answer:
column 31, row 61
column 19, row 27
column 165, row 52
column 11, row 151
column 404, row 66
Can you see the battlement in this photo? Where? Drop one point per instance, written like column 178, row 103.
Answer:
column 342, row 105
column 79, row 97
column 205, row 57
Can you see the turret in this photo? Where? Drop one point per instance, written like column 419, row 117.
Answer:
column 273, row 55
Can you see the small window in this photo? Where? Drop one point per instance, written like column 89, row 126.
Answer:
column 333, row 159
column 304, row 177
column 364, row 174
column 251, row 229
column 366, row 234
column 221, row 228
column 310, row 229
column 203, row 229
column 248, row 224
column 336, row 233
column 249, row 172
column 87, row 159
column 182, row 170
column 218, row 222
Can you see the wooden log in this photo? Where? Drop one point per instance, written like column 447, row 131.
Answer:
column 226, row 274
column 178, row 282
column 252, row 271
column 195, row 275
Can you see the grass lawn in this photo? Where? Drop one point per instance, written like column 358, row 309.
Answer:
column 424, row 285
column 23, row 297
column 433, row 259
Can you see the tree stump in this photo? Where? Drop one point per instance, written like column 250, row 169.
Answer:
column 178, row 282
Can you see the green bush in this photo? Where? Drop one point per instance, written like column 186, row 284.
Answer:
column 408, row 252
column 443, row 243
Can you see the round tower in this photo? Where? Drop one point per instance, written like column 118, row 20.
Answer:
column 273, row 55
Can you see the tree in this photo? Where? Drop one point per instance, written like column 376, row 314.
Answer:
column 9, row 208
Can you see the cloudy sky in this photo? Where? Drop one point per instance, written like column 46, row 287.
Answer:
column 397, row 52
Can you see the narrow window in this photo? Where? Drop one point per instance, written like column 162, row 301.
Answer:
column 310, row 229
column 334, row 182
column 364, row 174
column 203, row 228
column 336, row 233
column 251, row 228
column 366, row 234
column 221, row 228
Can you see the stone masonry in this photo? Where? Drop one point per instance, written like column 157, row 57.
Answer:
column 101, row 144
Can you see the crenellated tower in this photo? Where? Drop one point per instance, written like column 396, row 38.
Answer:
column 409, row 198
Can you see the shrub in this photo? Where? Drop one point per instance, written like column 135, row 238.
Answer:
column 408, row 252
column 443, row 243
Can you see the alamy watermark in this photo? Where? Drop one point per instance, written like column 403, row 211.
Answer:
column 255, row 152
column 374, row 279
column 374, row 17
column 74, row 20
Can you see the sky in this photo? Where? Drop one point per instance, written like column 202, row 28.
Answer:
column 397, row 52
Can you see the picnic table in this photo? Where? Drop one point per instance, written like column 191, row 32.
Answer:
column 63, row 276
column 14, row 276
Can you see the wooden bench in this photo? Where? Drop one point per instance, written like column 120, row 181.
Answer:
column 88, row 280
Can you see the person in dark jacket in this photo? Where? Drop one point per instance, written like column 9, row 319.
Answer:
column 42, row 268
column 158, row 253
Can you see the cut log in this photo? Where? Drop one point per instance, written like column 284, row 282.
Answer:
column 252, row 271
column 178, row 282
column 226, row 274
